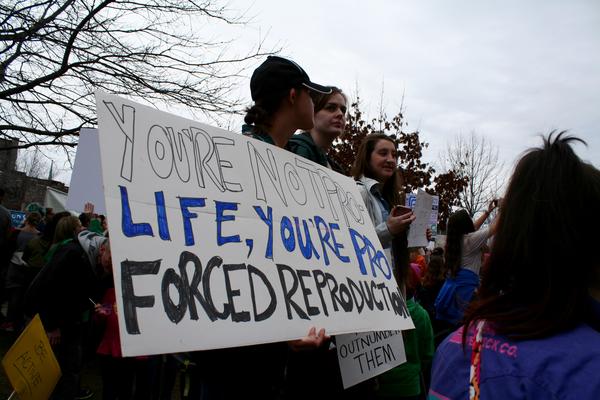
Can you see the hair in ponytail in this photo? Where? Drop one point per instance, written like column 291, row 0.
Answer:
column 257, row 116
column 260, row 113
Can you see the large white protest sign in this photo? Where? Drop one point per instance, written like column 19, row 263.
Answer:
column 365, row 355
column 86, row 180
column 221, row 240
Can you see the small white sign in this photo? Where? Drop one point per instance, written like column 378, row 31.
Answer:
column 86, row 180
column 422, row 210
column 411, row 201
column 363, row 356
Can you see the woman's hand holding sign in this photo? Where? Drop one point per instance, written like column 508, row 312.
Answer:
column 311, row 341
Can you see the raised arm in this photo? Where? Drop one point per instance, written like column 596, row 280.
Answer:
column 479, row 221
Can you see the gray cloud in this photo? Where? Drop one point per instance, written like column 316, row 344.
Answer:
column 510, row 70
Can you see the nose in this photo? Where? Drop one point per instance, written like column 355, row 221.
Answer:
column 340, row 117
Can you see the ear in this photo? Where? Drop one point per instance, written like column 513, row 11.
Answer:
column 293, row 95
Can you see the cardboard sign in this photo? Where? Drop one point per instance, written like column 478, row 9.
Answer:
column 221, row 240
column 365, row 355
column 30, row 364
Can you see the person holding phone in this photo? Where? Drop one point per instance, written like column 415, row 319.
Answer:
column 379, row 182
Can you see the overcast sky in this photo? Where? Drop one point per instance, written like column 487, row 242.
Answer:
column 509, row 70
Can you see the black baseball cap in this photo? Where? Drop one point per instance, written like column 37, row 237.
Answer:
column 277, row 74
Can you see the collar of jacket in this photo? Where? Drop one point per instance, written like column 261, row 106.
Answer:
column 371, row 184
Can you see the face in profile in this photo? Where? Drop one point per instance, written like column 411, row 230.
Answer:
column 304, row 109
column 331, row 119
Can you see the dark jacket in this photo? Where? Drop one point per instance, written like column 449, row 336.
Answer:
column 254, row 133
column 304, row 145
column 247, row 371
column 61, row 291
column 35, row 251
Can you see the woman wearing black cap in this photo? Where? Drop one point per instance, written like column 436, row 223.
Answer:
column 281, row 90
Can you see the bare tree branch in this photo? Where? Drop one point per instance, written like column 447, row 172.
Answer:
column 33, row 163
column 475, row 158
column 54, row 54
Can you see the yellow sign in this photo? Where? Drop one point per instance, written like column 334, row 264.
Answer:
column 30, row 364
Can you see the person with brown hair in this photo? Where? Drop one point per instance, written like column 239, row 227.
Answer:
column 432, row 283
column 379, row 181
column 281, row 91
column 319, row 365
column 465, row 241
column 330, row 120
column 35, row 250
column 534, row 330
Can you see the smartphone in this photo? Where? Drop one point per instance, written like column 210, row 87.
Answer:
column 401, row 210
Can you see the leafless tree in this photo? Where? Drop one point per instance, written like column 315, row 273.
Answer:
column 33, row 163
column 55, row 53
column 475, row 158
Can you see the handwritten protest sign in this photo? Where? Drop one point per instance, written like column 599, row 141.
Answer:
column 365, row 355
column 221, row 240
column 30, row 364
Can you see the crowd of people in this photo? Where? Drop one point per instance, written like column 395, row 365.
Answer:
column 504, row 310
